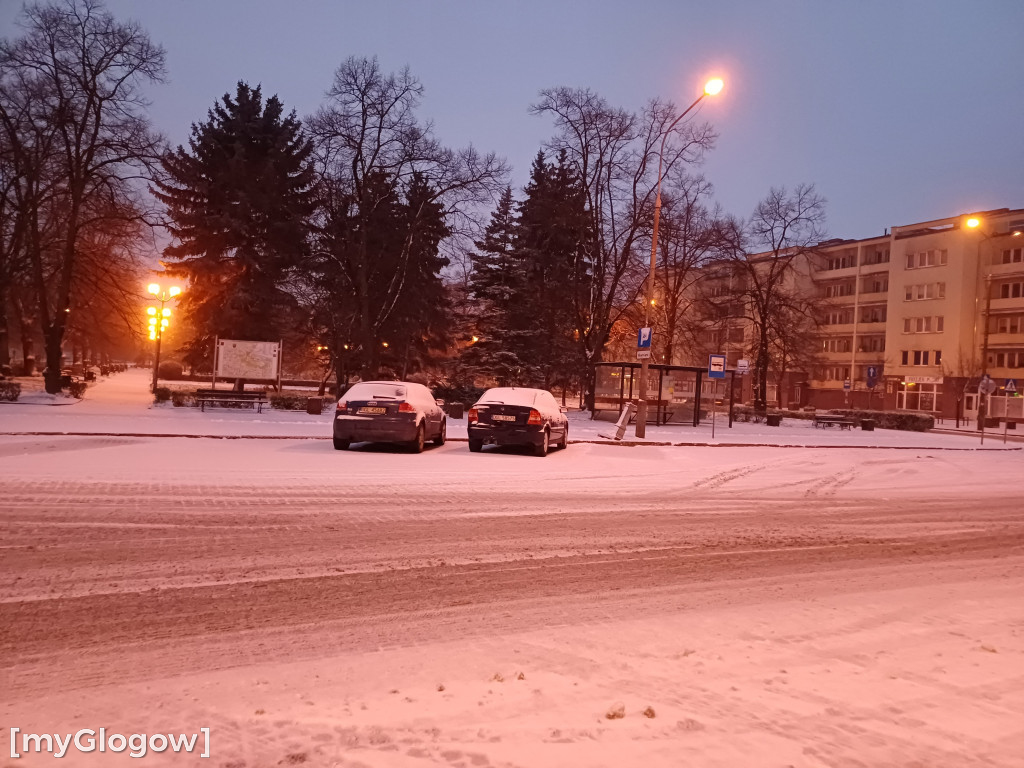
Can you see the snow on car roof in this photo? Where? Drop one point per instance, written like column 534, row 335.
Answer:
column 511, row 396
column 381, row 389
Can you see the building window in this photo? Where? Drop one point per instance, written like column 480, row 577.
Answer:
column 1013, row 255
column 923, row 291
column 935, row 257
column 918, row 397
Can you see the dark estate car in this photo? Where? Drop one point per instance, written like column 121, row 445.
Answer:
column 518, row 416
column 388, row 412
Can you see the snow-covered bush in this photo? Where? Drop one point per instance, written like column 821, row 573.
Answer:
column 9, row 390
column 171, row 370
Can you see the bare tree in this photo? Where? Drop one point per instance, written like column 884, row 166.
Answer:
column 768, row 250
column 615, row 154
column 73, row 118
column 369, row 141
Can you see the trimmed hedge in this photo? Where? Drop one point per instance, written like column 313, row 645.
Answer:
column 10, row 390
column 909, row 421
column 171, row 370
column 161, row 394
column 295, row 402
column 77, row 389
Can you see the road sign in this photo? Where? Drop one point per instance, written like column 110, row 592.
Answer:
column 716, row 366
column 1011, row 386
column 742, row 366
column 643, row 338
column 872, row 372
column 643, row 354
column 846, row 384
column 987, row 385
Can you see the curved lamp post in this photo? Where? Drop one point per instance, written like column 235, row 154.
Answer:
column 711, row 88
column 159, row 319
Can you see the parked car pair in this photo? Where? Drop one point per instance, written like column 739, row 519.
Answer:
column 407, row 413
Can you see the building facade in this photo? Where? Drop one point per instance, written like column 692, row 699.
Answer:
column 928, row 309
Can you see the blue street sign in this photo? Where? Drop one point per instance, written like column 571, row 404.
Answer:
column 846, row 384
column 872, row 372
column 643, row 338
column 716, row 366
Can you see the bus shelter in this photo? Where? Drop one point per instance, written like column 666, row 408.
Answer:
column 675, row 394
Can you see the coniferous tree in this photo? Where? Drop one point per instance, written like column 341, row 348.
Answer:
column 497, row 283
column 550, row 247
column 239, row 200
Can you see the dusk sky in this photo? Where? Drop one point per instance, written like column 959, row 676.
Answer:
column 899, row 112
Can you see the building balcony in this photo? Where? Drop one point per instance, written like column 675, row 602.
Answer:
column 1007, row 304
column 1005, row 270
column 1005, row 340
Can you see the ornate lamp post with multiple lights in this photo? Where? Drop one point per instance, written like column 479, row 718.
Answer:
column 159, row 319
column 711, row 88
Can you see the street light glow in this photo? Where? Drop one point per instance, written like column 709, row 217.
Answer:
column 153, row 288
column 973, row 223
column 714, row 86
column 175, row 290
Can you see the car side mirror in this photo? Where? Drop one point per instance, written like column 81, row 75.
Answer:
column 439, row 403
column 563, row 409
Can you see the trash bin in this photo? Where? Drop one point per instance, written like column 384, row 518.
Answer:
column 773, row 419
column 868, row 425
column 315, row 406
column 455, row 410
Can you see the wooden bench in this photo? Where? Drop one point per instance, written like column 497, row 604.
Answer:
column 834, row 421
column 211, row 396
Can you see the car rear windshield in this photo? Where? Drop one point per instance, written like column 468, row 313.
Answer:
column 510, row 396
column 370, row 391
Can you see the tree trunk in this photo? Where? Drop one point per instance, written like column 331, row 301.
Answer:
column 53, row 336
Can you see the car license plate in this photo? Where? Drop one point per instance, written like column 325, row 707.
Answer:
column 500, row 417
column 373, row 410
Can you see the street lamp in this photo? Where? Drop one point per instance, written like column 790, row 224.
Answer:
column 159, row 319
column 711, row 88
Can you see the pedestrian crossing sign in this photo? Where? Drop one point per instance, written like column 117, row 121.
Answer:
column 1011, row 386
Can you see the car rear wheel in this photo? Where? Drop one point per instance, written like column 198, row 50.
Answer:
column 442, row 434
column 341, row 445
column 417, row 444
column 541, row 449
column 476, row 445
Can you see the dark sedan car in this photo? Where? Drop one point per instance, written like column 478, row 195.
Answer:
column 388, row 412
column 518, row 416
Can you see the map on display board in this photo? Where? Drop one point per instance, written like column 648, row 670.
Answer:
column 247, row 359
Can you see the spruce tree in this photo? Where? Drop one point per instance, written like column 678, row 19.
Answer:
column 497, row 284
column 239, row 200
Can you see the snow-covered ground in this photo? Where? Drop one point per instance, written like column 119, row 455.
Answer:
column 741, row 605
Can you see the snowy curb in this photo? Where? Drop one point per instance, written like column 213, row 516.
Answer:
column 623, row 443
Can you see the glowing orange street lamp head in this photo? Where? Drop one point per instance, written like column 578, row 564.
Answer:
column 714, row 86
column 973, row 222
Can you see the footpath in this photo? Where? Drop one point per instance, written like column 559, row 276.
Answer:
column 122, row 406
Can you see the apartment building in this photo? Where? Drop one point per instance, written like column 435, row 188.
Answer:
column 929, row 308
